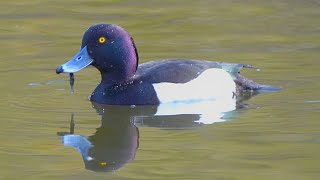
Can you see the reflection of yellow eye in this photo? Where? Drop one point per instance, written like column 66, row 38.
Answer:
column 102, row 40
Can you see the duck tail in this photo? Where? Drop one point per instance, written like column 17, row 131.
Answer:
column 245, row 84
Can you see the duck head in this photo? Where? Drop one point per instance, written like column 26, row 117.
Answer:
column 110, row 49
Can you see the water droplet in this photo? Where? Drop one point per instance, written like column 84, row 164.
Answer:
column 133, row 106
column 34, row 84
column 313, row 101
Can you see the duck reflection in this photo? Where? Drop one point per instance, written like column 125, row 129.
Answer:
column 116, row 141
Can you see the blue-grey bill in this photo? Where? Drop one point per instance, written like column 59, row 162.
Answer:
column 78, row 62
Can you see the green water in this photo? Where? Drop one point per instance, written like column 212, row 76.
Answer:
column 276, row 137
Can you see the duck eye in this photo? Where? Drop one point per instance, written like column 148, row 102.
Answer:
column 102, row 40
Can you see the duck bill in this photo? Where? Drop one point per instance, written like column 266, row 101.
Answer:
column 81, row 60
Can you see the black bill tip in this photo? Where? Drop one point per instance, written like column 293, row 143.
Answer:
column 59, row 70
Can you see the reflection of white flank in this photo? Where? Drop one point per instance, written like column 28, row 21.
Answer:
column 210, row 111
column 210, row 95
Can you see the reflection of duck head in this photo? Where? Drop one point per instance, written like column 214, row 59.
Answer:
column 112, row 145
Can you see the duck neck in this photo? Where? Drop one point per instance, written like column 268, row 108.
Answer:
column 117, row 77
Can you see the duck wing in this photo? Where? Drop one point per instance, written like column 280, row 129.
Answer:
column 182, row 71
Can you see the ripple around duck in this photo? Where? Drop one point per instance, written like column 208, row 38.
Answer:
column 40, row 91
column 42, row 101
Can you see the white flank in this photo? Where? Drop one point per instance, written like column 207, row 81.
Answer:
column 211, row 84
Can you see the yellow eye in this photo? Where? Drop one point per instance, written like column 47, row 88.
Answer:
column 102, row 40
column 103, row 163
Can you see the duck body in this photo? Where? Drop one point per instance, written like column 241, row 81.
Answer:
column 112, row 51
